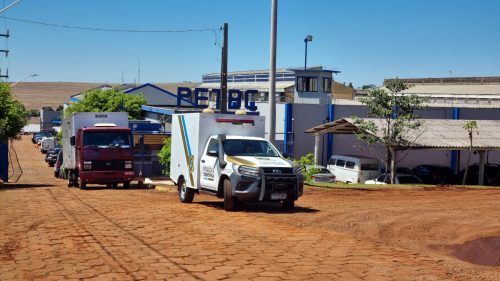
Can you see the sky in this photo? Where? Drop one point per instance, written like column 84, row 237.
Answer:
column 366, row 40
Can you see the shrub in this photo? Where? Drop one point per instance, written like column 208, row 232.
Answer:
column 164, row 156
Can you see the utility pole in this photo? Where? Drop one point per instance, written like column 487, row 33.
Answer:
column 139, row 72
column 223, row 74
column 272, row 73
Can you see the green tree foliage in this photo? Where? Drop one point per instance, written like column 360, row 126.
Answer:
column 397, row 113
column 307, row 161
column 13, row 115
column 470, row 127
column 164, row 156
column 33, row 113
column 108, row 101
column 350, row 85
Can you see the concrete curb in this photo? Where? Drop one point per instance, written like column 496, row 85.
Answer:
column 166, row 188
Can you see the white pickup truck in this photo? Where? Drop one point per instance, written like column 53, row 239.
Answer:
column 227, row 156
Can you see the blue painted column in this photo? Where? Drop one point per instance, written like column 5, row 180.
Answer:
column 4, row 162
column 454, row 153
column 288, row 137
column 329, row 140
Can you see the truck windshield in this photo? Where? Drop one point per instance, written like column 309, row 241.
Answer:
column 107, row 139
column 235, row 147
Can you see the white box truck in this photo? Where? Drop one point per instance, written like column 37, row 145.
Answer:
column 227, row 156
column 97, row 148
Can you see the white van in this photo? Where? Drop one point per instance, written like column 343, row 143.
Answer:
column 354, row 169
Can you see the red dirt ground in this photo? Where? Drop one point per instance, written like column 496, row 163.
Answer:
column 51, row 232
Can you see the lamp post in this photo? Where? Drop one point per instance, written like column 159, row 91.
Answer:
column 308, row 38
column 29, row 75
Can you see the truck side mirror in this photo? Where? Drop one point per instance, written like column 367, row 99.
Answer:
column 213, row 153
column 222, row 162
column 72, row 141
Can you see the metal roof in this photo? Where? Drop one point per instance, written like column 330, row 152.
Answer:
column 433, row 133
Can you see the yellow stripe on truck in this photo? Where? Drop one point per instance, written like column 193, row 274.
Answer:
column 184, row 144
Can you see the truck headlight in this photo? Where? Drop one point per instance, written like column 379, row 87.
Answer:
column 87, row 165
column 248, row 171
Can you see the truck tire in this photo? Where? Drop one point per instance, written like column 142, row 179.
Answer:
column 186, row 194
column 83, row 185
column 126, row 184
column 288, row 204
column 56, row 174
column 229, row 200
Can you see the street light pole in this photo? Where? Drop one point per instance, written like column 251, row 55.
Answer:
column 29, row 75
column 272, row 73
column 308, row 38
column 10, row 6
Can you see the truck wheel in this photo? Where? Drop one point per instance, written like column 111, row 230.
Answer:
column 83, row 184
column 229, row 200
column 288, row 204
column 186, row 194
column 126, row 184
column 56, row 174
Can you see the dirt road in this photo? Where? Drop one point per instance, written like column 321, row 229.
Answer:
column 51, row 232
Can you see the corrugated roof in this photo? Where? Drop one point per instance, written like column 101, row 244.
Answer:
column 462, row 90
column 432, row 134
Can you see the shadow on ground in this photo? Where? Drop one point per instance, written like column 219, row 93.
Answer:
column 9, row 186
column 259, row 207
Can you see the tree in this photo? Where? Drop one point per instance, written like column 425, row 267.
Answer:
column 13, row 115
column 366, row 87
column 350, row 85
column 108, row 101
column 469, row 126
column 164, row 156
column 47, row 108
column 60, row 108
column 397, row 116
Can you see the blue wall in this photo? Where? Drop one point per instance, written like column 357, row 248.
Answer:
column 4, row 162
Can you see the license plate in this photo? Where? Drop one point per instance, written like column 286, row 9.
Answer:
column 278, row 196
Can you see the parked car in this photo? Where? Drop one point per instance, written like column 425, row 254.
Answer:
column 51, row 156
column 323, row 175
column 400, row 170
column 434, row 174
column 58, row 164
column 400, row 179
column 491, row 175
column 353, row 169
column 37, row 137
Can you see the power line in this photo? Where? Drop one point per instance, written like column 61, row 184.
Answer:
column 111, row 29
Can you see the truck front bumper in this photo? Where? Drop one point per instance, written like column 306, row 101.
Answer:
column 264, row 188
column 107, row 176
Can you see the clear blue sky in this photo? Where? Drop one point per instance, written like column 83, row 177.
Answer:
column 366, row 40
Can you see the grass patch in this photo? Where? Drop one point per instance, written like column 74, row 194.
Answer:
column 341, row 185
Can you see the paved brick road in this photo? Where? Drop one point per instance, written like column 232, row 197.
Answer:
column 51, row 232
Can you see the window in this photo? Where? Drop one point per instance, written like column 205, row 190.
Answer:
column 332, row 161
column 369, row 167
column 327, row 85
column 107, row 139
column 307, row 84
column 381, row 178
column 349, row 165
column 340, row 163
column 213, row 145
column 242, row 147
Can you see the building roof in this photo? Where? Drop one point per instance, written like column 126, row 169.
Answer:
column 443, row 134
column 259, row 86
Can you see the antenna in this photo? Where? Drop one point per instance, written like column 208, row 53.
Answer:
column 122, row 78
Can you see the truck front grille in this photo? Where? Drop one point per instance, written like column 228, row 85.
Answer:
column 280, row 183
column 106, row 165
column 278, row 170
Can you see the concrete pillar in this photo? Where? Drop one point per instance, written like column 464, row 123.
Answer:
column 317, row 139
column 481, row 167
